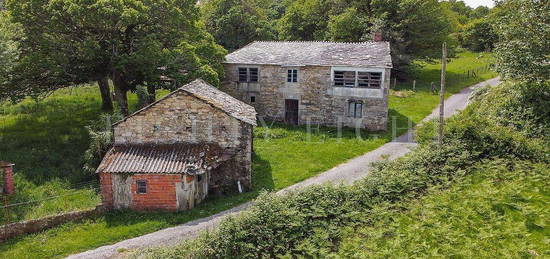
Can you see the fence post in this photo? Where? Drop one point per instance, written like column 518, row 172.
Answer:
column 414, row 85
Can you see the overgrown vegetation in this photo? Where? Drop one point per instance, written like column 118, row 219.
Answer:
column 312, row 222
column 274, row 164
column 498, row 211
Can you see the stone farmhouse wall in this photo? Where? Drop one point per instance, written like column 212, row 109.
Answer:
column 319, row 102
column 182, row 118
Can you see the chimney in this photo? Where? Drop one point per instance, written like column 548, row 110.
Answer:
column 9, row 185
column 378, row 36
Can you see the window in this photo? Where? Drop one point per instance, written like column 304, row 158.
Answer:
column 248, row 74
column 292, row 76
column 344, row 78
column 141, row 186
column 355, row 109
column 369, row 80
column 358, row 79
column 243, row 74
column 253, row 74
column 252, row 99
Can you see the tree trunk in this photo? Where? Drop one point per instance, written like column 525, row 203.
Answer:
column 151, row 94
column 106, row 101
column 121, row 90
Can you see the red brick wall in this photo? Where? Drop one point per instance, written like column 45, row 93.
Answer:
column 106, row 190
column 9, row 185
column 161, row 192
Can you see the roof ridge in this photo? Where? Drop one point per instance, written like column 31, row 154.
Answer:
column 315, row 41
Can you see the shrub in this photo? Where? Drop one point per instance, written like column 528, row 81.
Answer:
column 101, row 138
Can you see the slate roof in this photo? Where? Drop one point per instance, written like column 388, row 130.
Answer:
column 190, row 159
column 214, row 97
column 314, row 53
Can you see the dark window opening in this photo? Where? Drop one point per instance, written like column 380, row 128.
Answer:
column 248, row 74
column 355, row 109
column 243, row 74
column 292, row 76
column 199, row 177
column 358, row 79
column 252, row 99
column 369, row 80
column 253, row 74
column 141, row 186
column 344, row 78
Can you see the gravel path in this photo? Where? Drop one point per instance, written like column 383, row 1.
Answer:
column 346, row 173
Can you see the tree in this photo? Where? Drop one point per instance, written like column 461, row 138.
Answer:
column 133, row 42
column 415, row 28
column 307, row 19
column 9, row 51
column 235, row 23
column 522, row 51
column 479, row 35
column 347, row 26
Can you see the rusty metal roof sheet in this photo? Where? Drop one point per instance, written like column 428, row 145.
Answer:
column 314, row 53
column 190, row 159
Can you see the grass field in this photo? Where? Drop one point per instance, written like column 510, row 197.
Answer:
column 46, row 141
column 500, row 211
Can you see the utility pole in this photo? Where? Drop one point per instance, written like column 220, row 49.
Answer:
column 442, row 94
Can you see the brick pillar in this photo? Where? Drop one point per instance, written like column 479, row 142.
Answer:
column 105, row 181
column 9, row 184
column 378, row 36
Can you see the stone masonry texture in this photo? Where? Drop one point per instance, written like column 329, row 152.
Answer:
column 313, row 91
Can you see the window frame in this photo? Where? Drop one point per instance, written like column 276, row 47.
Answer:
column 292, row 75
column 357, row 111
column 247, row 71
column 141, row 181
column 339, row 77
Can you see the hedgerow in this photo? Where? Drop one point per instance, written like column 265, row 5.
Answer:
column 310, row 222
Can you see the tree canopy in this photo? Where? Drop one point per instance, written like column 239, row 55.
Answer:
column 134, row 42
column 235, row 23
column 523, row 28
column 9, row 51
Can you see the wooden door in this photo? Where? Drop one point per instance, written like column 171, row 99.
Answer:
column 291, row 111
column 122, row 191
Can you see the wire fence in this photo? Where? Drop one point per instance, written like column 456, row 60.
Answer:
column 13, row 212
column 433, row 85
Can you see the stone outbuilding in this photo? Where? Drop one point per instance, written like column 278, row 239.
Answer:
column 325, row 83
column 172, row 153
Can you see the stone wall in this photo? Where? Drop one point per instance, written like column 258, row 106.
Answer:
column 37, row 225
column 319, row 103
column 181, row 118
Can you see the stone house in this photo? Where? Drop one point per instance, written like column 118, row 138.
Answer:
column 324, row 83
column 170, row 154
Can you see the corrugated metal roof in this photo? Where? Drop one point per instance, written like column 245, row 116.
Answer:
column 314, row 53
column 190, row 159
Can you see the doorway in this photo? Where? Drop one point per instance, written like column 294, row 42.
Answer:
column 291, row 111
